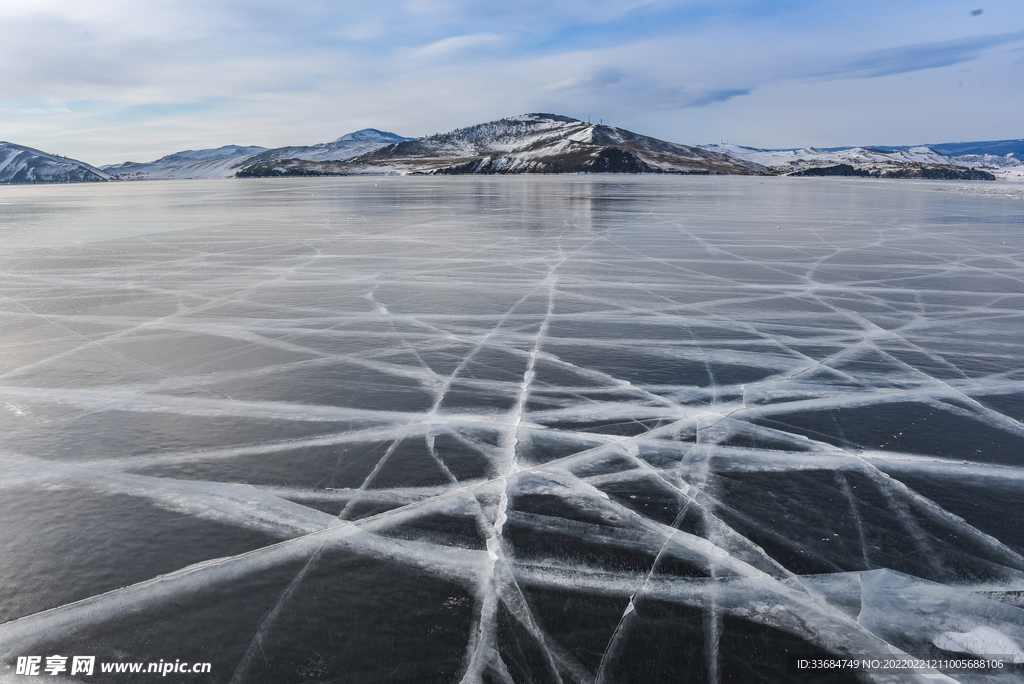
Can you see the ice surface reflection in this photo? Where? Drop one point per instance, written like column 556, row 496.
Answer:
column 511, row 430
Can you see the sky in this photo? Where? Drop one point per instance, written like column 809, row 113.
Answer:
column 107, row 81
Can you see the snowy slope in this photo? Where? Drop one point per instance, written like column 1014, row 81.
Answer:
column 224, row 162
column 177, row 166
column 20, row 164
column 530, row 143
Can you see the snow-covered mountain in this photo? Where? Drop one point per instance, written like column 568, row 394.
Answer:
column 530, row 143
column 224, row 162
column 372, row 135
column 919, row 162
column 20, row 164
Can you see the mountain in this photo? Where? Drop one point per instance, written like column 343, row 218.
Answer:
column 530, row 143
column 906, row 162
column 20, row 164
column 224, row 162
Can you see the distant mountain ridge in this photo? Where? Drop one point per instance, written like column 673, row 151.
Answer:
column 904, row 162
column 529, row 143
column 999, row 148
column 225, row 152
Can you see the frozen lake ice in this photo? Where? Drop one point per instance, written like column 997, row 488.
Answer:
column 529, row 429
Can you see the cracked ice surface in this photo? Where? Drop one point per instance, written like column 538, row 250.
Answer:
column 511, row 429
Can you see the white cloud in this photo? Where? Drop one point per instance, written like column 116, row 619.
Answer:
column 448, row 46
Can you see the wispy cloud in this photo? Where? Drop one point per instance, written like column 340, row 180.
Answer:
column 703, row 99
column 600, row 79
column 456, row 44
column 907, row 58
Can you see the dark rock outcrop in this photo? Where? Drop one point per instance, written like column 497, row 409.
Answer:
column 935, row 172
column 837, row 170
column 290, row 167
column 938, row 173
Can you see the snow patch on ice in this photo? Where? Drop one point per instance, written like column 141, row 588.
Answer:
column 980, row 641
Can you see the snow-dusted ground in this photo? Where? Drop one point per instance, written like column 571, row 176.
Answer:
column 576, row 429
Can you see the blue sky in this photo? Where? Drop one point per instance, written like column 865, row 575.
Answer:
column 107, row 81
